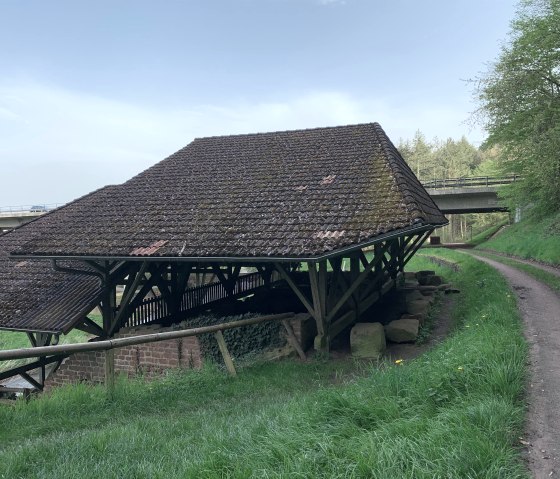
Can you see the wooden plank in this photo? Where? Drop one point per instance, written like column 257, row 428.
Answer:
column 225, row 353
column 295, row 289
column 292, row 339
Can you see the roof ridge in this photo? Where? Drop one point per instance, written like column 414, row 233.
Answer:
column 237, row 135
column 396, row 163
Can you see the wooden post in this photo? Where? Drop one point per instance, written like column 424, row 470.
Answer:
column 225, row 353
column 108, row 312
column 110, row 373
column 292, row 339
column 319, row 292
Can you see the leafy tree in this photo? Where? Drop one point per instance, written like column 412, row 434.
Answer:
column 520, row 103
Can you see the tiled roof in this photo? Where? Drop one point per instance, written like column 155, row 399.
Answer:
column 34, row 297
column 299, row 193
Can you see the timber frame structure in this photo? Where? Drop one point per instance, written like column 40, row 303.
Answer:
column 335, row 242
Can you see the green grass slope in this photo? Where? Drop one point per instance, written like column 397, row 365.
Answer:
column 531, row 238
column 487, row 233
column 457, row 411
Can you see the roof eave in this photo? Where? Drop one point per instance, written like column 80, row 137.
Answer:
column 242, row 259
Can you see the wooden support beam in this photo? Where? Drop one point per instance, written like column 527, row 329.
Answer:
column 415, row 246
column 318, row 283
column 285, row 276
column 322, row 280
column 90, row 327
column 341, row 323
column 293, row 340
column 8, row 373
column 225, row 353
column 39, row 385
column 126, row 299
column 336, row 265
column 147, row 286
column 108, row 313
column 362, row 276
column 110, row 373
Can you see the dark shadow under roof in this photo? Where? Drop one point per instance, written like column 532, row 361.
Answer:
column 300, row 193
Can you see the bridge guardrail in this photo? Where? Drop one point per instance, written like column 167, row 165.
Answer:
column 29, row 208
column 467, row 182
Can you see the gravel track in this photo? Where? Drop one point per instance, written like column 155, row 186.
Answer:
column 540, row 310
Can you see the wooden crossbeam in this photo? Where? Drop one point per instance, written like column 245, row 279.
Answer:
column 30, row 366
column 89, row 326
column 415, row 246
column 36, row 384
column 362, row 276
column 129, row 293
column 292, row 339
column 285, row 276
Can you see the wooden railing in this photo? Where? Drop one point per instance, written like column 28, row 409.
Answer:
column 156, row 308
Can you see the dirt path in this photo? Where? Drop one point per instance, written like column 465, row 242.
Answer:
column 540, row 309
column 545, row 267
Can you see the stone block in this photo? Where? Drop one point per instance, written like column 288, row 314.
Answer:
column 420, row 317
column 367, row 340
column 420, row 306
column 402, row 330
column 434, row 280
column 414, row 295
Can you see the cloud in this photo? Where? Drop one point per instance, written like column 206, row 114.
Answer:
column 331, row 2
column 57, row 144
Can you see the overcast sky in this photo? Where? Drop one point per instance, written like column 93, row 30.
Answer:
column 92, row 93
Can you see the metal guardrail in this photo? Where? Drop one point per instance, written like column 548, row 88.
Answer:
column 471, row 181
column 29, row 208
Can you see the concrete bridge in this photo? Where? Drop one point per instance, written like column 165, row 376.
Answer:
column 468, row 195
column 13, row 216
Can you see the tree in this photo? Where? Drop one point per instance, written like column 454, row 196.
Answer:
column 520, row 104
column 418, row 155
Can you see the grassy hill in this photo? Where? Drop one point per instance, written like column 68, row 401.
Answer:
column 531, row 238
column 456, row 411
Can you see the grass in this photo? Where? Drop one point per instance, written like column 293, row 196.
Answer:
column 537, row 239
column 487, row 233
column 456, row 411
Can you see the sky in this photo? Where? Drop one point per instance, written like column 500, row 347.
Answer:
column 92, row 93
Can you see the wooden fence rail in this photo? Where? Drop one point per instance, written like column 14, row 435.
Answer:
column 107, row 344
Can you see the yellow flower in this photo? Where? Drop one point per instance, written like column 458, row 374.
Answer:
column 399, row 361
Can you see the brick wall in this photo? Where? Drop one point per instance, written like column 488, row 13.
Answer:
column 150, row 359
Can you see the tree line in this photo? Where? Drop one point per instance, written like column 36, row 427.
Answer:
column 519, row 107
column 519, row 98
column 440, row 159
